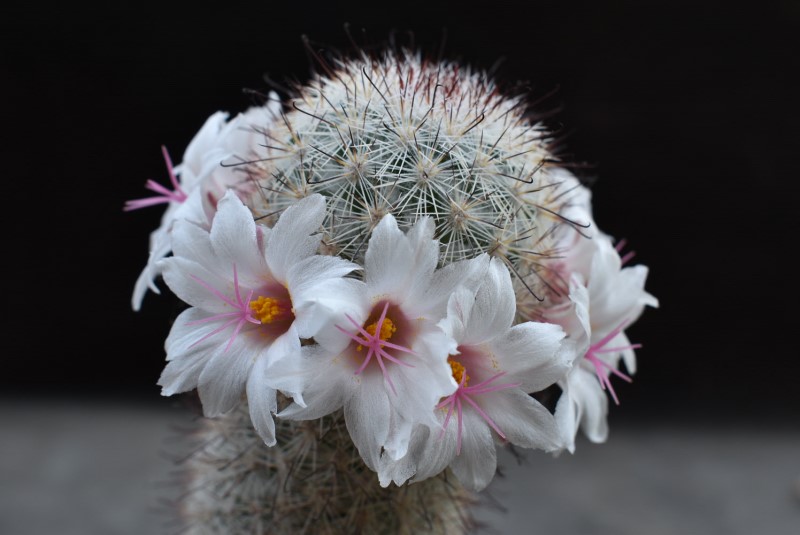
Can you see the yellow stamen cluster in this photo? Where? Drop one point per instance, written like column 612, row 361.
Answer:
column 458, row 371
column 268, row 309
column 387, row 330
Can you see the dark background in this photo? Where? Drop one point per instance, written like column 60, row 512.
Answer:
column 688, row 113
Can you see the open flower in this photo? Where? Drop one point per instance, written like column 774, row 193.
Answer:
column 604, row 299
column 496, row 365
column 385, row 361
column 254, row 293
column 208, row 169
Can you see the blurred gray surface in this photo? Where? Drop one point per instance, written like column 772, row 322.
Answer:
column 69, row 468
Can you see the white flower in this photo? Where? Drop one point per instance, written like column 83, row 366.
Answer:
column 208, row 169
column 604, row 299
column 496, row 365
column 385, row 362
column 254, row 293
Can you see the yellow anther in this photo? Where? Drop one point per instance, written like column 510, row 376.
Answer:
column 387, row 330
column 458, row 371
column 268, row 309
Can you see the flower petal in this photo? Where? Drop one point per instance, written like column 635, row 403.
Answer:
column 567, row 418
column 320, row 294
column 494, row 308
column 367, row 415
column 590, row 404
column 397, row 267
column 429, row 453
column 459, row 310
column 524, row 421
column 146, row 279
column 191, row 240
column 616, row 295
column 292, row 238
column 185, row 359
column 205, row 140
column 433, row 303
column 234, row 240
column 326, row 384
column 476, row 465
column 222, row 382
column 262, row 402
column 193, row 283
column 531, row 353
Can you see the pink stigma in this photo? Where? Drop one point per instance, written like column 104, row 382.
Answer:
column 240, row 316
column 375, row 346
column 462, row 394
column 165, row 195
column 593, row 356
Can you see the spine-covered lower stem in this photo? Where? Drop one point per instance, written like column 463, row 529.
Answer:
column 312, row 481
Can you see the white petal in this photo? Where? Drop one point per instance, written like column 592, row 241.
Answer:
column 439, row 452
column 319, row 293
column 467, row 273
column 329, row 311
column 459, row 310
column 325, row 383
column 476, row 465
column 591, row 404
column 567, row 418
column 305, row 277
column 292, row 239
column 529, row 352
column 429, row 453
column 396, row 444
column 262, row 402
column 425, row 251
column 286, row 347
column 222, row 382
column 616, row 295
column 401, row 470
column 193, row 284
column 494, row 308
column 184, row 338
column 191, row 241
column 367, row 415
column 186, row 358
column 233, row 237
column 524, row 421
column 421, row 387
column 188, row 352
column 182, row 374
column 146, row 279
column 205, row 139
column 394, row 265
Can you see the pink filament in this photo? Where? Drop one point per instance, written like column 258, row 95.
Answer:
column 240, row 316
column 628, row 256
column 375, row 346
column 166, row 195
column 463, row 393
column 598, row 348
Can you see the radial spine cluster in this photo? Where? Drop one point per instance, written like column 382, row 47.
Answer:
column 412, row 138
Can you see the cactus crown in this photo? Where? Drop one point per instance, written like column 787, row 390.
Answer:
column 414, row 138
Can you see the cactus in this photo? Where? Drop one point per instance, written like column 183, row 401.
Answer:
column 400, row 144
column 313, row 482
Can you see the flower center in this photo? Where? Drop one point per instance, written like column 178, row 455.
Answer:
column 459, row 372
column 456, row 402
column 270, row 309
column 375, row 338
column 387, row 329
